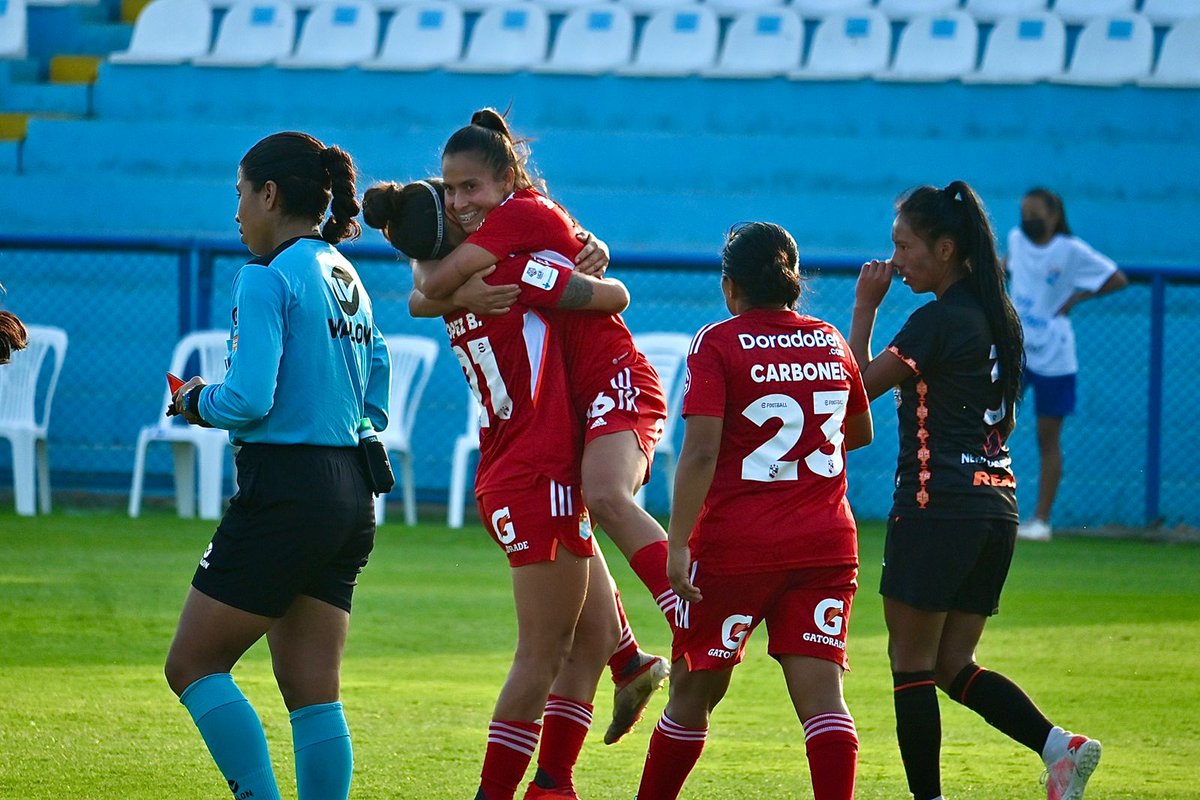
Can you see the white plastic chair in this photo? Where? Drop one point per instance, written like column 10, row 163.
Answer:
column 647, row 7
column 412, row 362
column 253, row 33
column 761, row 44
column 169, row 32
column 676, row 42
column 935, row 48
column 22, row 422
column 727, row 8
column 190, row 443
column 592, row 40
column 1179, row 61
column 823, row 8
column 667, row 353
column 907, row 9
column 1112, row 51
column 994, row 10
column 337, row 34
column 466, row 443
column 847, row 47
column 1079, row 12
column 1023, row 49
column 507, row 38
column 14, row 41
column 424, row 35
column 1168, row 12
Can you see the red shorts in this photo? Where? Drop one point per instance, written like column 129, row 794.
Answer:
column 632, row 399
column 807, row 612
column 530, row 523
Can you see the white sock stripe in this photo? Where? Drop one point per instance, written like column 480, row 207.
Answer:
column 671, row 729
column 577, row 715
column 626, row 640
column 844, row 725
column 498, row 728
column 568, row 705
column 518, row 746
column 827, row 715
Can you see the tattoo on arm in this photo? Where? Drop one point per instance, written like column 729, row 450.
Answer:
column 577, row 294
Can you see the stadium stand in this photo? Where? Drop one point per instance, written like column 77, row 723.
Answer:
column 935, row 48
column 848, row 46
column 761, row 44
column 907, row 9
column 1111, row 51
column 676, row 42
column 1079, row 12
column 1168, row 12
column 337, row 34
column 820, row 8
column 728, row 8
column 25, row 423
column 993, row 10
column 507, row 38
column 1179, row 62
column 169, row 32
column 1023, row 49
column 413, row 358
column 591, row 40
column 645, row 7
column 420, row 36
column 253, row 33
column 13, row 41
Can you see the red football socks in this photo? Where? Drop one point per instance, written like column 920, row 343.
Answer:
column 832, row 744
column 510, row 747
column 674, row 750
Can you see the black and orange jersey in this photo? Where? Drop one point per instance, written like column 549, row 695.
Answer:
column 953, row 461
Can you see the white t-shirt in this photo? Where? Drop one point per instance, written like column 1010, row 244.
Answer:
column 1043, row 278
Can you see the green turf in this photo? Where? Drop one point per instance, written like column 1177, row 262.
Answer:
column 1104, row 634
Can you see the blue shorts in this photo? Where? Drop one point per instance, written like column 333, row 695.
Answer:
column 1053, row 395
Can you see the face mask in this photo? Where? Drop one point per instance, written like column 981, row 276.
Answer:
column 1034, row 228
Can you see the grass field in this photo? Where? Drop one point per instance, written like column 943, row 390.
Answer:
column 1104, row 634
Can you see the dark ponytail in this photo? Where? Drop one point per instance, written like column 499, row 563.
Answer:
column 1055, row 204
column 411, row 217
column 309, row 176
column 762, row 259
column 490, row 139
column 957, row 213
column 13, row 336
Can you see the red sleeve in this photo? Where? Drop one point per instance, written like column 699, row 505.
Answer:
column 541, row 279
column 704, row 387
column 514, row 226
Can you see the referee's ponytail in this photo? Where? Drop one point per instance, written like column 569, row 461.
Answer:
column 309, row 177
column 956, row 212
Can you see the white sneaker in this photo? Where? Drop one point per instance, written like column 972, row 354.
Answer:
column 1034, row 530
column 1069, row 767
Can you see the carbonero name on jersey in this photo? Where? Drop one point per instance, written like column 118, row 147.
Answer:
column 824, row 371
column 816, row 338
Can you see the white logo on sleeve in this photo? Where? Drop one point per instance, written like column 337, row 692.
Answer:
column 539, row 270
column 502, row 525
column 204, row 558
column 828, row 616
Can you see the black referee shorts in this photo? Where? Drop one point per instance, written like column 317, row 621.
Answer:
column 947, row 564
column 302, row 523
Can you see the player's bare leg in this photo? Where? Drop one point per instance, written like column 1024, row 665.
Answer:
column 830, row 737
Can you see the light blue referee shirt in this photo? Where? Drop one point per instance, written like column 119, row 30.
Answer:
column 306, row 361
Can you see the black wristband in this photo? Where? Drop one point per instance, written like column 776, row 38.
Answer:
column 191, row 404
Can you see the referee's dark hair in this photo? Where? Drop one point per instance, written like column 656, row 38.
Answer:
column 489, row 137
column 411, row 217
column 1055, row 204
column 764, row 262
column 957, row 213
column 311, row 178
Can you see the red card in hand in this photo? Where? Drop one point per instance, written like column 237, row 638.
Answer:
column 174, row 383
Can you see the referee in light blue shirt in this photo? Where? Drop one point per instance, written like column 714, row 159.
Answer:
column 306, row 365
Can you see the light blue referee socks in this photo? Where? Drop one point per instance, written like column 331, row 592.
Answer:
column 234, row 735
column 324, row 757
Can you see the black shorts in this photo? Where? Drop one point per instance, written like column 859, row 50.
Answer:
column 947, row 564
column 302, row 523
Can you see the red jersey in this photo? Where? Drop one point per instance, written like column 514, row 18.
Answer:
column 783, row 383
column 530, row 226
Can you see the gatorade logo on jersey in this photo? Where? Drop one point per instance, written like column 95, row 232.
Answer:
column 345, row 290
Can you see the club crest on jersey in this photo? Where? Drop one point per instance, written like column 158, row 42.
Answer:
column 773, row 471
column 345, row 290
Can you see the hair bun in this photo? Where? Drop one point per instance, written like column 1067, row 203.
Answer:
column 381, row 203
column 492, row 120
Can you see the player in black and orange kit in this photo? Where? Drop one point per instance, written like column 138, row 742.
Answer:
column 761, row 528
column 957, row 365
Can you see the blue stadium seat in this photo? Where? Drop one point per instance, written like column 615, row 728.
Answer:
column 507, row 38
column 1179, row 62
column 13, row 36
column 422, row 35
column 1111, row 51
column 907, row 9
column 1023, row 49
column 761, row 44
column 592, row 40
column 728, row 8
column 253, row 33
column 336, row 35
column 935, row 48
column 848, row 46
column 677, row 42
column 994, row 10
column 1079, row 12
column 169, row 32
column 811, row 9
column 1168, row 12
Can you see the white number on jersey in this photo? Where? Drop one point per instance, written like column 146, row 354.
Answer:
column 766, row 463
column 479, row 361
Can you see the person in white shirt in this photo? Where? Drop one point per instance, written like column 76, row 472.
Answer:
column 1050, row 271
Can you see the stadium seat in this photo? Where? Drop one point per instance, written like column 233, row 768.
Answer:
column 935, row 48
column 507, row 38
column 1023, row 49
column 1179, row 61
column 822, row 8
column 169, row 32
column 676, row 41
column 14, row 41
column 645, row 7
column 1168, row 12
column 993, row 10
column 337, row 34
column 412, row 361
column 847, row 47
column 667, row 353
column 727, row 8
column 1080, row 12
column 761, row 44
column 424, row 35
column 190, row 443
column 906, row 9
column 253, row 33
column 22, row 423
column 591, row 40
column 466, row 443
column 567, row 6
column 1112, row 51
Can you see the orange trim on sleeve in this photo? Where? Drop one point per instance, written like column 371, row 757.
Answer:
column 891, row 348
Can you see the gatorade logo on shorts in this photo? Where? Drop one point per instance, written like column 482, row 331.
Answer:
column 734, row 630
column 828, row 616
column 502, row 525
